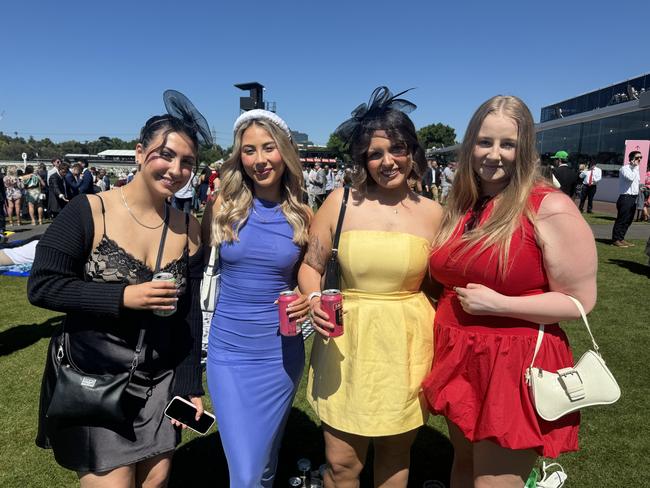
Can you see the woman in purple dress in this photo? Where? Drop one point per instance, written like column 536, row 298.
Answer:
column 260, row 225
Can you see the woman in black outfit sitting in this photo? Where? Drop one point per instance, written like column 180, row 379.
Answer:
column 96, row 263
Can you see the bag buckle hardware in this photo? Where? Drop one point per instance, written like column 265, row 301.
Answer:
column 572, row 382
column 59, row 353
column 530, row 372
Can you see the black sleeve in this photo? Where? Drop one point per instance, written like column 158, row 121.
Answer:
column 56, row 279
column 428, row 177
column 189, row 334
column 54, row 186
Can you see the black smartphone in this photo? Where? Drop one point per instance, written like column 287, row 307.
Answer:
column 185, row 412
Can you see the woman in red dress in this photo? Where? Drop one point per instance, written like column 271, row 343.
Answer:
column 510, row 249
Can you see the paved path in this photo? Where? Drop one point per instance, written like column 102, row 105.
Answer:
column 637, row 231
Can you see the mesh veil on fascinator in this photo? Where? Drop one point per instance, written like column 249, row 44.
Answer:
column 182, row 110
column 380, row 101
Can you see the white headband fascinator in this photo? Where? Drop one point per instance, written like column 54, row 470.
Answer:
column 261, row 114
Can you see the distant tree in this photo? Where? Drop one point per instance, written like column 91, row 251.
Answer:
column 437, row 135
column 336, row 145
column 215, row 153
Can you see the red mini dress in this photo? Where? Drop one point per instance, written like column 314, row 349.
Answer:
column 478, row 376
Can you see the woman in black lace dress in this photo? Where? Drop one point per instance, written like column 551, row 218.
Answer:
column 96, row 263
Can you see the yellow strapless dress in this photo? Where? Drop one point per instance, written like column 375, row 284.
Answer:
column 367, row 381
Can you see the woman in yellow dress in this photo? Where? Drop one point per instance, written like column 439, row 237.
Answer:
column 365, row 384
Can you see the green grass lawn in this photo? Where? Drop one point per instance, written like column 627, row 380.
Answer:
column 614, row 439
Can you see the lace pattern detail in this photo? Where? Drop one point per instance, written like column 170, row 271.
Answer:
column 110, row 263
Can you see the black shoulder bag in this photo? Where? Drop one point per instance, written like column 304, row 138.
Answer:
column 95, row 397
column 333, row 269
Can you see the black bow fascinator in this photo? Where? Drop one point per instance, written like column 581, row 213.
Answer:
column 179, row 107
column 380, row 101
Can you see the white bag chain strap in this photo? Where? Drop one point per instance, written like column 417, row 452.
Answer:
column 209, row 271
column 540, row 333
column 214, row 258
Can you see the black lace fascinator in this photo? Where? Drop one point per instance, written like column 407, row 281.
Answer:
column 380, row 101
column 180, row 107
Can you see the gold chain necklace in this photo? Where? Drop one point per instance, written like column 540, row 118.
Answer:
column 136, row 219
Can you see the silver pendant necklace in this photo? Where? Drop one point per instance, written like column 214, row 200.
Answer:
column 136, row 219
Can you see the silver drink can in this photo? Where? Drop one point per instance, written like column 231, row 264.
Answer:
column 164, row 277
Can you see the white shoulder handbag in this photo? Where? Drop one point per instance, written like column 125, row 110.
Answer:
column 211, row 282
column 588, row 383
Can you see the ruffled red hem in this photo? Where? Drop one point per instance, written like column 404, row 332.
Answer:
column 477, row 382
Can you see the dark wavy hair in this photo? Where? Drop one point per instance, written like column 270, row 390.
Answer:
column 165, row 124
column 399, row 128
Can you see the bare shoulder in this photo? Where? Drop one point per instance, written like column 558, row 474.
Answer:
column 330, row 207
column 106, row 201
column 430, row 206
column 559, row 220
column 95, row 203
column 429, row 210
column 557, row 203
column 335, row 196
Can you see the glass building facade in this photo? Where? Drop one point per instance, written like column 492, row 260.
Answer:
column 602, row 140
column 612, row 95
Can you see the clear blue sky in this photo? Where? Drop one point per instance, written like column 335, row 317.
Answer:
column 79, row 70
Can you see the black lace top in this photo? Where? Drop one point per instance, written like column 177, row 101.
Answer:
column 69, row 276
column 111, row 263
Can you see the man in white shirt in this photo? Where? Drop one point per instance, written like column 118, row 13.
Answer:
column 183, row 198
column 318, row 180
column 311, row 177
column 446, row 181
column 329, row 180
column 590, row 178
column 54, row 168
column 628, row 189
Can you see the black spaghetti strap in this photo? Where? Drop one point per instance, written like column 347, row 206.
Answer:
column 101, row 201
column 187, row 233
column 163, row 236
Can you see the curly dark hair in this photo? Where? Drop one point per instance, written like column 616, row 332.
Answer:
column 399, row 128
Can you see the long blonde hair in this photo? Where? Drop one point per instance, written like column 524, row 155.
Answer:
column 513, row 201
column 236, row 192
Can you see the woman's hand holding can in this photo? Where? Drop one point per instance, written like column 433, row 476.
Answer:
column 320, row 318
column 298, row 309
column 151, row 295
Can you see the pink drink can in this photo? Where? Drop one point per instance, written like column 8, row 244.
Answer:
column 331, row 302
column 288, row 327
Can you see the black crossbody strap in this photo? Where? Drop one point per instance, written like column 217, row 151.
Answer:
column 339, row 224
column 163, row 236
column 161, row 248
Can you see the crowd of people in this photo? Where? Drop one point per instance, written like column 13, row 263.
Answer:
column 440, row 305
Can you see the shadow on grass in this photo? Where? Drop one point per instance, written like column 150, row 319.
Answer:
column 606, row 218
column 633, row 266
column 24, row 335
column 202, row 462
column 602, row 240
